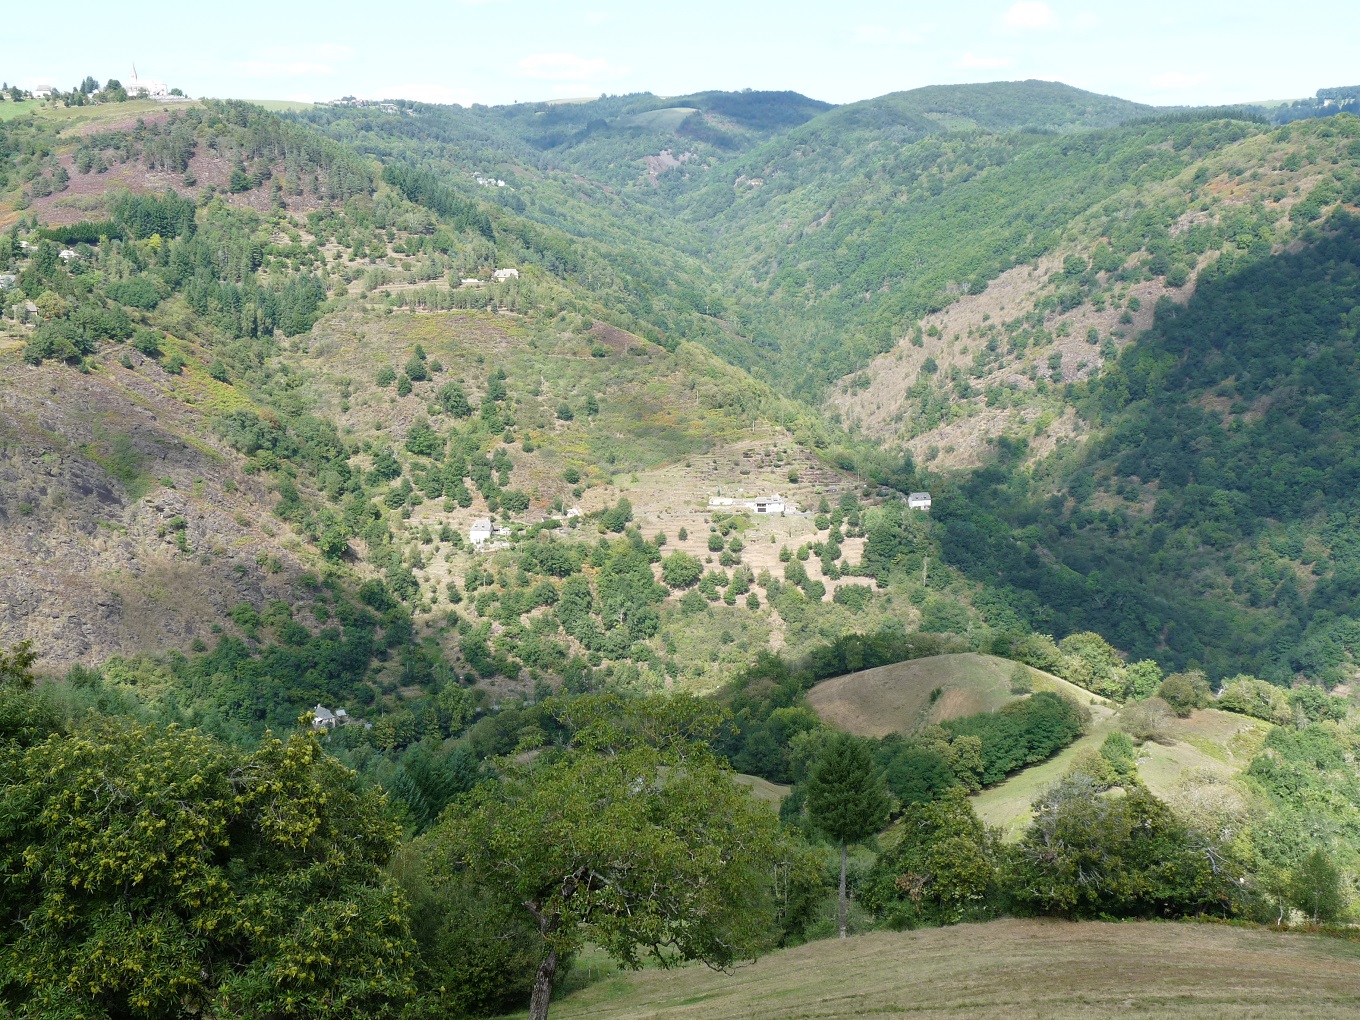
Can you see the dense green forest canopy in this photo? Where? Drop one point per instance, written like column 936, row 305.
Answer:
column 1236, row 409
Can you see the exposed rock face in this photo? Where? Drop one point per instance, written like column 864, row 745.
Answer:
column 125, row 526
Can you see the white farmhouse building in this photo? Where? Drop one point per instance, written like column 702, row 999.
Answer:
column 501, row 275
column 481, row 531
column 773, row 504
column 918, row 501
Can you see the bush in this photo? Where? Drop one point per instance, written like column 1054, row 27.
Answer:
column 943, row 869
column 853, row 596
column 1146, row 720
column 386, row 376
column 1317, row 705
column 1185, row 692
column 681, row 570
column 715, row 542
column 1021, row 733
column 423, row 440
column 1253, row 697
column 453, row 400
column 147, row 342
column 616, row 518
column 139, row 292
column 1085, row 855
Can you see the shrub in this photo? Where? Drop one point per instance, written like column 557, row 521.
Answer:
column 423, row 440
column 1021, row 733
column 1185, row 692
column 138, row 292
column 681, row 570
column 1085, row 855
column 453, row 400
column 386, row 376
column 147, row 342
column 1250, row 696
column 853, row 596
column 1146, row 720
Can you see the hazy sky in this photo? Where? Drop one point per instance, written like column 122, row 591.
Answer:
column 500, row 51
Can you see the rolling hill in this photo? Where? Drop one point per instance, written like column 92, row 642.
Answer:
column 906, row 696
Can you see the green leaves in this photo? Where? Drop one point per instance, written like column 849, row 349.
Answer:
column 632, row 836
column 156, row 869
column 846, row 798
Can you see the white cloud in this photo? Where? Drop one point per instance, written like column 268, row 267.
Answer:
column 1027, row 14
column 566, row 67
column 974, row 61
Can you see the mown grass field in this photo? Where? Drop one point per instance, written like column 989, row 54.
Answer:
column 897, row 698
column 1017, row 969
column 763, row 789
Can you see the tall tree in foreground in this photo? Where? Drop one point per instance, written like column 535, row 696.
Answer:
column 632, row 836
column 845, row 798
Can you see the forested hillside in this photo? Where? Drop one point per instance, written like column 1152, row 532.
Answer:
column 526, row 467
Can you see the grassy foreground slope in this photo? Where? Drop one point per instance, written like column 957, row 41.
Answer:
column 1014, row 969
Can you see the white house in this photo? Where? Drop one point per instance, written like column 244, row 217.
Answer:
column 769, row 504
column 501, row 275
column 66, row 254
column 918, row 501
column 324, row 719
column 481, row 531
column 136, row 86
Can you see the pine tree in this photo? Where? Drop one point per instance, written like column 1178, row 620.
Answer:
column 845, row 798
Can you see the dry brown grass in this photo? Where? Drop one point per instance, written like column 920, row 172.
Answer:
column 1019, row 970
column 896, row 698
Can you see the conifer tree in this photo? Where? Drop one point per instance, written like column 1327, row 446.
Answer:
column 845, row 798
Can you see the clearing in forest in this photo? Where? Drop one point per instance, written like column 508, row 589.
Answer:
column 902, row 697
